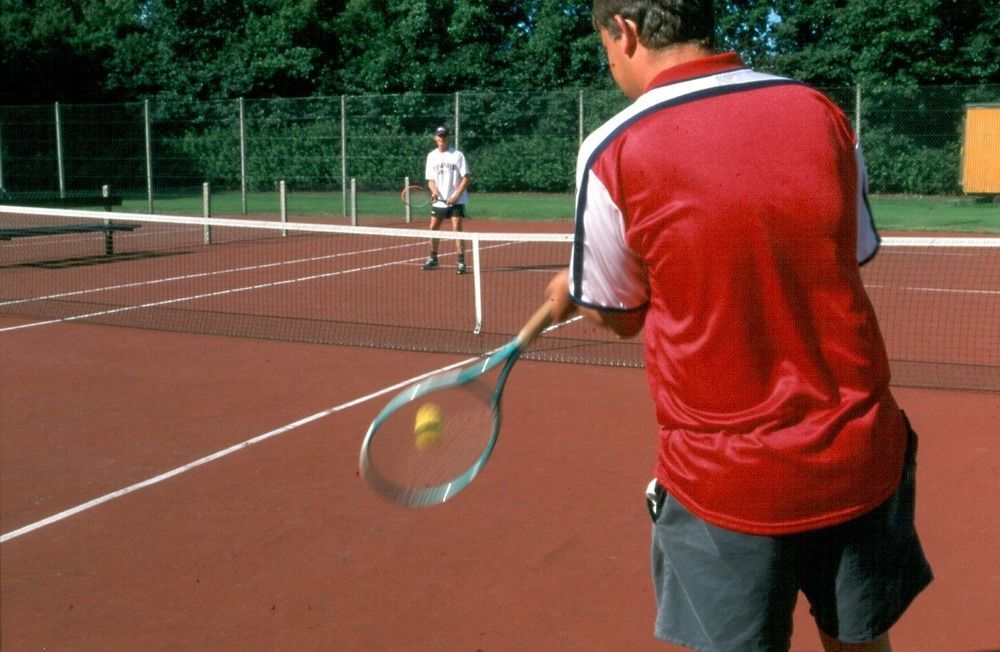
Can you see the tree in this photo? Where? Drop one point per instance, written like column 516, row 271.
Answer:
column 424, row 46
column 838, row 42
column 115, row 50
column 216, row 49
column 746, row 27
column 554, row 47
column 45, row 56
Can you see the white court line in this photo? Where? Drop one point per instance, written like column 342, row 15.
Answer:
column 55, row 518
column 930, row 289
column 164, row 302
column 214, row 456
column 188, row 277
column 206, row 295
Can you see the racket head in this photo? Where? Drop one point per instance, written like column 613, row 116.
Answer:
column 414, row 196
column 396, row 467
column 400, row 470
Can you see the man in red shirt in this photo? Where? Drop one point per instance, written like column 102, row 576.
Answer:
column 724, row 214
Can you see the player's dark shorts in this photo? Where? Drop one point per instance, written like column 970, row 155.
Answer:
column 451, row 210
column 722, row 590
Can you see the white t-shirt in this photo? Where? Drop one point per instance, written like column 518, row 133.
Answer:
column 446, row 169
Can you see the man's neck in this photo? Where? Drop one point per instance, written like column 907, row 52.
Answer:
column 651, row 63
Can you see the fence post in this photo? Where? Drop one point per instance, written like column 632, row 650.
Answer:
column 458, row 122
column 149, row 156
column 857, row 111
column 243, row 157
column 59, row 153
column 1, row 156
column 579, row 135
column 343, row 155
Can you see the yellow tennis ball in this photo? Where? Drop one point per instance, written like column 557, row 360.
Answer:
column 428, row 427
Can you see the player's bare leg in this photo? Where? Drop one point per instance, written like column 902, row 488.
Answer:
column 456, row 226
column 880, row 644
column 432, row 259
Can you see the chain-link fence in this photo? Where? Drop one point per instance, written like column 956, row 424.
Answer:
column 515, row 141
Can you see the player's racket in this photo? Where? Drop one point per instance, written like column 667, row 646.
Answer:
column 400, row 466
column 415, row 196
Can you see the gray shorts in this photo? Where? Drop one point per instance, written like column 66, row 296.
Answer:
column 722, row 590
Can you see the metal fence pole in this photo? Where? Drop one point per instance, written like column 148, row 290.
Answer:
column 579, row 134
column 343, row 154
column 149, row 156
column 857, row 111
column 60, row 165
column 1, row 155
column 243, row 157
column 458, row 122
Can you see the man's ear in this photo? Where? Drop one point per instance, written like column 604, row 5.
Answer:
column 629, row 33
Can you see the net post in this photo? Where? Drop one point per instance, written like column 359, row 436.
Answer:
column 283, row 204
column 109, row 239
column 477, row 285
column 406, row 204
column 206, row 203
column 354, row 201
column 60, row 155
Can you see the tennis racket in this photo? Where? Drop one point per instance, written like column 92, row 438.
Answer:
column 398, row 466
column 415, row 196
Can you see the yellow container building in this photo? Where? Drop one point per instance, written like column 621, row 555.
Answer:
column 981, row 150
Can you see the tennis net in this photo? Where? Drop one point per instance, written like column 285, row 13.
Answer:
column 938, row 299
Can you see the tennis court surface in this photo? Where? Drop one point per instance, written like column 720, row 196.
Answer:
column 180, row 422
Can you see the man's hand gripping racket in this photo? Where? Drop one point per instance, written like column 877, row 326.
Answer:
column 434, row 437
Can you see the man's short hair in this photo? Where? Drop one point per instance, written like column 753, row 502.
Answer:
column 661, row 23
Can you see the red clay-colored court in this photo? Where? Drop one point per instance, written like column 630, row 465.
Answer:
column 279, row 546
column 176, row 491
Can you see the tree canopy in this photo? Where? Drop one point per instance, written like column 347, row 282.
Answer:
column 117, row 50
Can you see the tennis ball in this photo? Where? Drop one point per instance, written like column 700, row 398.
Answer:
column 428, row 427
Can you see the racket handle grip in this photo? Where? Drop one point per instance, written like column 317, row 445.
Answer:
column 534, row 326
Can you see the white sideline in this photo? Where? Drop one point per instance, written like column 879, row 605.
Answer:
column 216, row 455
column 55, row 518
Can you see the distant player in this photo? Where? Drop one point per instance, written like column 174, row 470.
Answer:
column 447, row 175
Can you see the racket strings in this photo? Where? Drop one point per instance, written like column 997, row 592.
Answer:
column 457, row 441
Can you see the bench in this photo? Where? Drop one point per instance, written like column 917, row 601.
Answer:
column 72, row 199
column 9, row 233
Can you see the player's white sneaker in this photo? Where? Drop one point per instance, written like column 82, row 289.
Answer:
column 461, row 267
column 431, row 263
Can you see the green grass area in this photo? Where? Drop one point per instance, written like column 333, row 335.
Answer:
column 944, row 214
column 521, row 206
column 937, row 214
